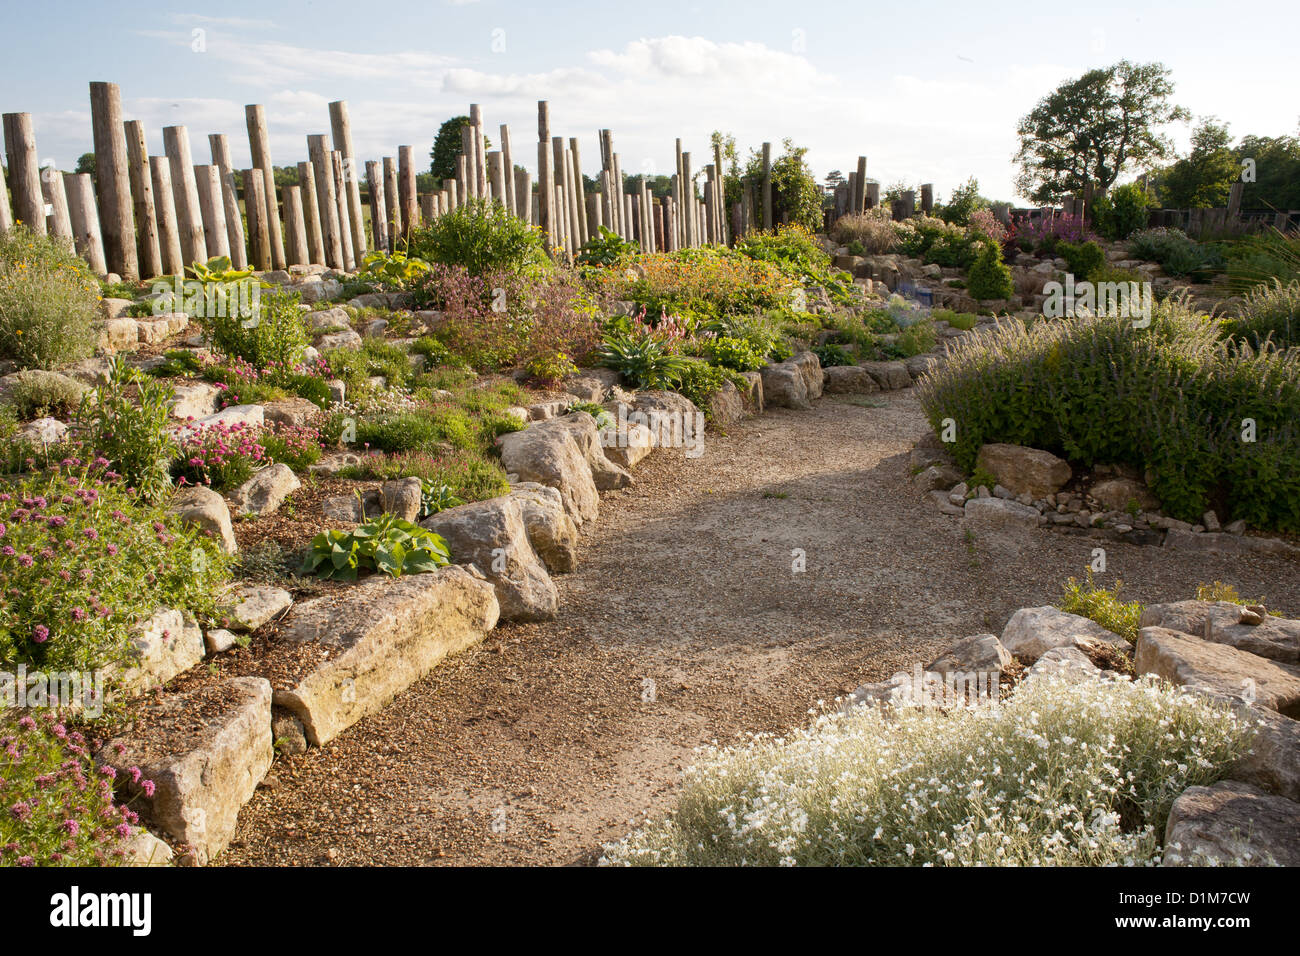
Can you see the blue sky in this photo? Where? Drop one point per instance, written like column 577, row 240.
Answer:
column 928, row 92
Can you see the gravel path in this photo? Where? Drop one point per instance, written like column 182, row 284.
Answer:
column 684, row 624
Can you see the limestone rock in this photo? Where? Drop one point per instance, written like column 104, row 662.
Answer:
column 627, row 443
column 983, row 653
column 1024, row 470
column 205, row 751
column 889, row 375
column 265, row 491
column 195, row 401
column 402, row 498
column 1217, row 669
column 491, row 534
column 376, row 639
column 551, row 531
column 1232, row 824
column 726, row 406
column 1033, row 631
column 1274, row 637
column 997, row 514
column 1115, row 494
column 848, row 379
column 251, row 606
column 207, row 510
column 1273, row 763
column 165, row 644
column 1066, row 659
column 552, row 457
column 290, row 411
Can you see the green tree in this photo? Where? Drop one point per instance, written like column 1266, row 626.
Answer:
column 86, row 164
column 796, row 197
column 1090, row 129
column 1276, row 170
column 446, row 147
column 965, row 200
column 1201, row 179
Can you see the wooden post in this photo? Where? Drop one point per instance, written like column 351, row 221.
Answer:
column 148, row 253
column 593, row 215
column 620, row 189
column 326, row 201
column 341, row 126
column 710, row 212
column 259, row 239
column 85, row 221
column 427, row 208
column 860, row 183
column 562, row 220
column 220, row 147
column 679, row 195
column 57, row 222
column 341, row 199
column 563, row 178
column 260, row 145
column 545, row 173
column 169, row 237
column 507, row 161
column 24, row 171
column 212, row 210
column 523, row 195
column 873, row 195
column 406, row 189
column 475, row 150
column 189, row 221
column 688, row 202
column 311, row 214
column 378, row 223
column 113, row 180
column 453, row 194
column 497, row 174
column 767, row 185
column 581, row 190
column 295, row 228
column 392, row 203
column 927, row 198
column 1234, row 200
column 6, row 212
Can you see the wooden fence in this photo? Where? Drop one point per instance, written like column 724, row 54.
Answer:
column 146, row 216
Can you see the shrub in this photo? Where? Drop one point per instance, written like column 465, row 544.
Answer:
column 917, row 338
column 700, row 381
column 830, row 354
column 49, row 301
column 34, row 393
column 550, row 368
column 706, row 282
column 958, row 320
column 737, row 354
column 222, row 455
column 387, row 544
column 273, row 336
column 1042, row 235
column 59, row 807
column 297, row 446
column 436, row 497
column 470, row 476
column 1269, row 313
column 400, row 431
column 1122, row 212
column 887, row 786
column 1171, row 398
column 82, row 560
column 1265, row 257
column 645, row 361
column 1177, row 254
column 989, row 276
column 481, row 237
column 1082, row 259
column 1218, row 591
column 134, row 435
column 1103, row 606
column 607, row 248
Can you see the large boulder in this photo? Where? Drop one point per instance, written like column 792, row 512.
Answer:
column 551, row 531
column 810, row 367
column 492, row 536
column 1000, row 514
column 1276, row 638
column 1024, row 470
column 551, row 457
column 1119, row 493
column 784, row 386
column 848, row 379
column 626, row 443
column 1232, row 824
column 347, row 654
column 1273, row 762
column 290, row 411
column 1217, row 669
column 1033, row 631
column 207, row 510
column 726, row 405
column 889, row 375
column 265, row 491
column 195, row 401
column 205, row 751
column 251, row 606
column 982, row 653
column 582, row 428
column 752, row 393
column 403, row 497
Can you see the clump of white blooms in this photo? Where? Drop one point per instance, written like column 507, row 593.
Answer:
column 1065, row 772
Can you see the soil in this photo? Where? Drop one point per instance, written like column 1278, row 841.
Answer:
column 685, row 624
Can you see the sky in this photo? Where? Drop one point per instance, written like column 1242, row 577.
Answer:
column 928, row 92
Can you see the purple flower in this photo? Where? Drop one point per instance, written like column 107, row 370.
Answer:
column 40, row 633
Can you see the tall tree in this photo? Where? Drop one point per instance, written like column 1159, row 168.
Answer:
column 446, row 147
column 1202, row 178
column 1090, row 129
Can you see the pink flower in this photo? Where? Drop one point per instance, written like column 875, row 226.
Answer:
column 71, row 826
column 148, row 788
column 40, row 633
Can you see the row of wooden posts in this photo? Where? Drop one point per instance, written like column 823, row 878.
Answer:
column 144, row 216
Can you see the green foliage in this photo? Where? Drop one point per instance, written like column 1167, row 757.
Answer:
column 35, row 393
column 989, row 276
column 1082, row 259
column 471, row 476
column 483, row 238
column 446, row 147
column 796, row 197
column 1122, row 211
column 917, row 338
column 831, row 354
column 645, row 361
column 1202, row 179
column 699, row 381
column 1103, row 606
column 1269, row 313
column 274, row 336
column 966, row 199
column 737, row 354
column 607, row 248
column 1177, row 254
column 134, row 435
column 395, row 271
column 1172, row 399
column 436, row 497
column 76, row 578
column 386, row 544
column 49, row 301
column 550, row 368
column 1263, row 258
column 1090, row 129
column 958, row 320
